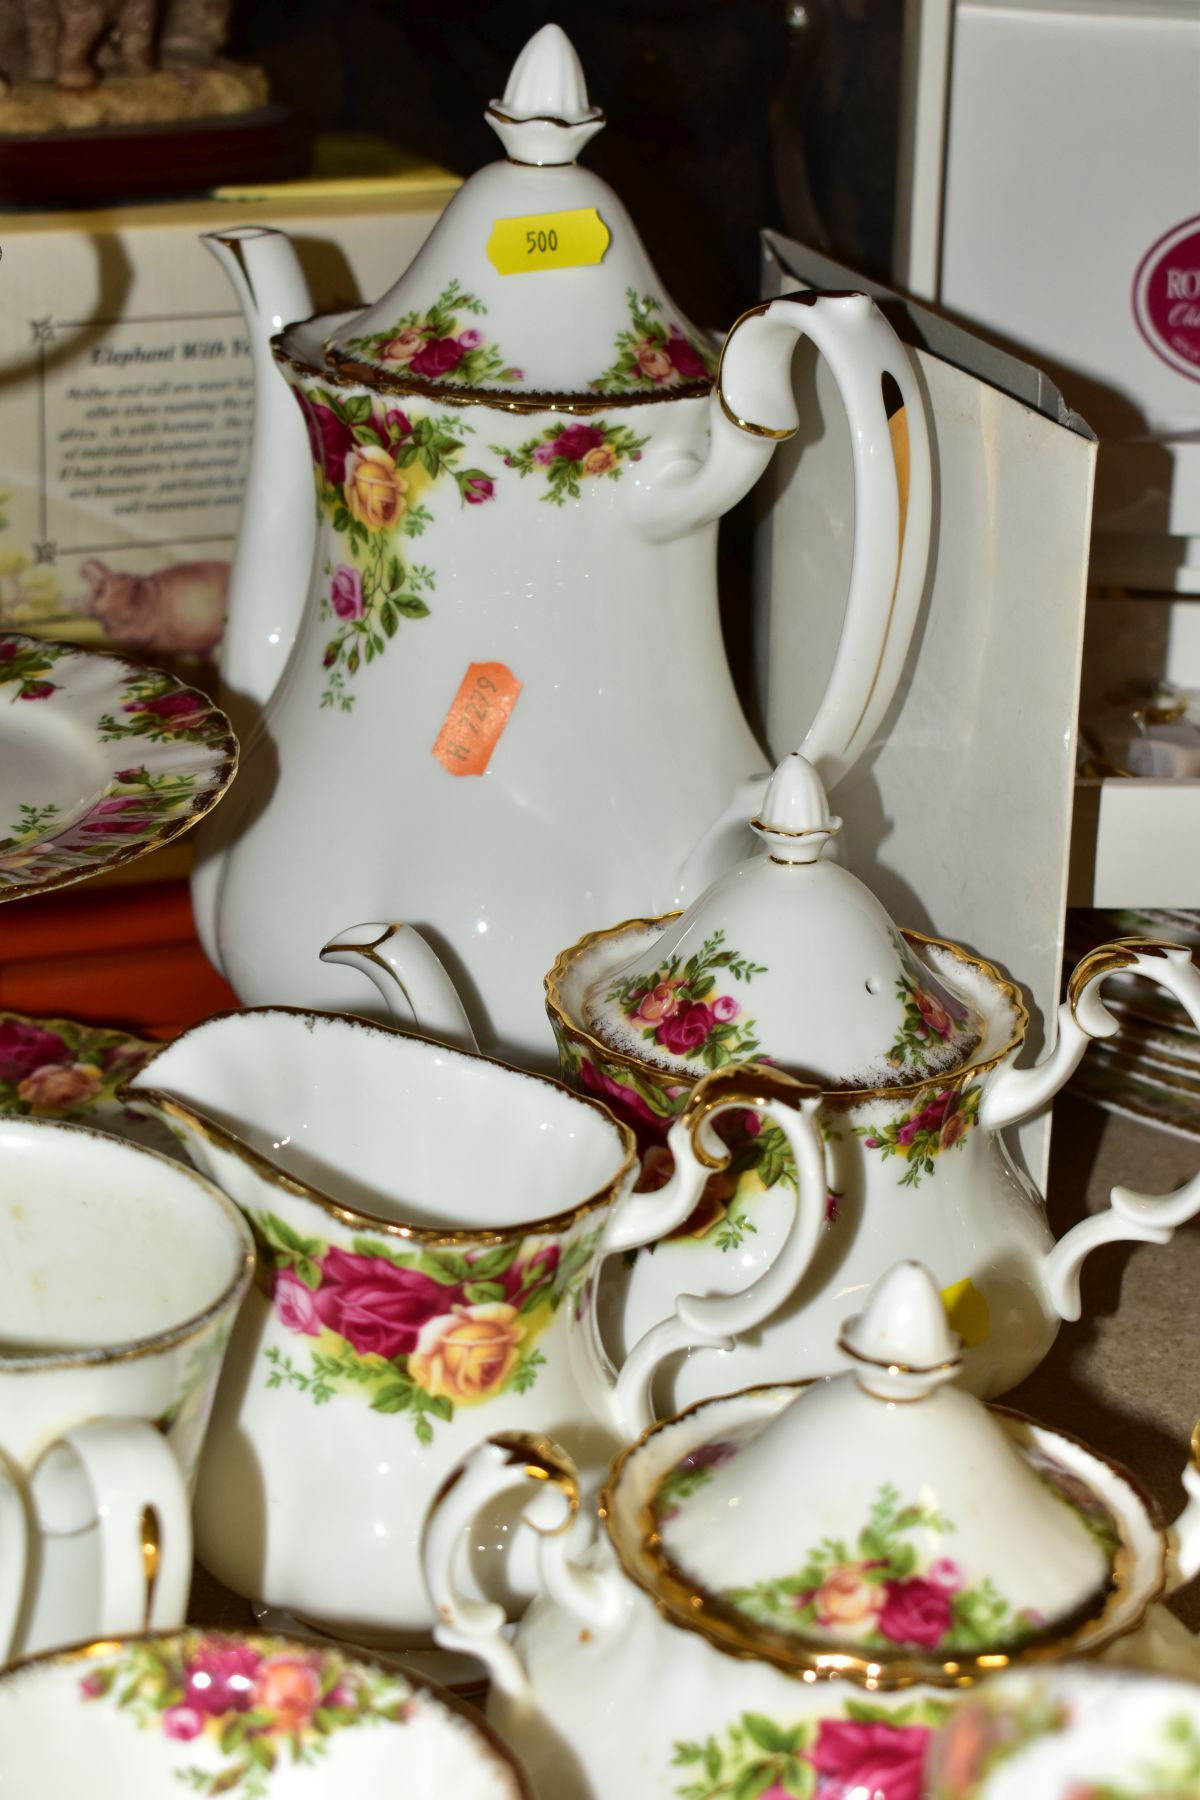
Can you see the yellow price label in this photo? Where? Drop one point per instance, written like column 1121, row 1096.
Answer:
column 967, row 1311
column 562, row 240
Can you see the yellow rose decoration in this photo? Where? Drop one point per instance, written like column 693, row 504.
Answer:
column 600, row 460
column 375, row 489
column 467, row 1353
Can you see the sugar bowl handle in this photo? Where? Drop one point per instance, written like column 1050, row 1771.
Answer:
column 1015, row 1093
column 509, row 1459
column 622, row 1399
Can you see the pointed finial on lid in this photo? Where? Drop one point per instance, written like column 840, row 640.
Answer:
column 902, row 1336
column 544, row 116
column 795, row 822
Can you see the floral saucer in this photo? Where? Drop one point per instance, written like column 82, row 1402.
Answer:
column 100, row 761
column 56, row 1069
column 252, row 1717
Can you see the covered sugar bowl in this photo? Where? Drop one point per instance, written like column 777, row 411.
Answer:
column 807, row 1580
column 790, row 959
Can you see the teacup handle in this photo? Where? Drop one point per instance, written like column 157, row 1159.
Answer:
column 1131, row 1216
column 14, row 1557
column 145, row 1524
column 713, row 1321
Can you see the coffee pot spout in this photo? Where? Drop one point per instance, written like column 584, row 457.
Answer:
column 409, row 976
column 269, row 579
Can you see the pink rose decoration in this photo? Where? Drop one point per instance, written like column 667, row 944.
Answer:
column 378, row 1308
column 478, row 488
column 346, row 595
column 683, row 358
column 437, row 357
column 935, row 1015
column 545, row 454
column 946, row 1574
column 915, row 1611
column 521, row 1278
column 220, row 1677
column 470, row 340
column 183, row 707
column 93, row 1686
column 7, row 650
column 294, row 1304
column 683, row 1031
column 751, row 1122
column 24, row 1048
column 575, row 442
column 289, row 1687
column 398, row 423
column 908, row 1130
column 857, row 1758
column 653, row 361
column 36, row 690
column 182, row 1723
column 725, row 1008
column 846, row 1597
column 328, row 438
column 628, row 1105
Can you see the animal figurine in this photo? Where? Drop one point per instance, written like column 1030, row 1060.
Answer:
column 176, row 611
column 60, row 39
column 194, row 31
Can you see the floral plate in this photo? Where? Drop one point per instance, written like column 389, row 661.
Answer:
column 56, row 1069
column 100, row 761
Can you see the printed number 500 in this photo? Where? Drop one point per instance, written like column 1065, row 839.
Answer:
column 540, row 242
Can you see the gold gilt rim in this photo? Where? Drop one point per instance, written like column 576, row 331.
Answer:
column 432, row 1235
column 341, row 370
column 227, row 752
column 33, row 1362
column 841, row 1097
column 679, row 1603
column 381, row 1663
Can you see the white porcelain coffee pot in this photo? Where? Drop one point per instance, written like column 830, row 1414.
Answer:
column 511, row 632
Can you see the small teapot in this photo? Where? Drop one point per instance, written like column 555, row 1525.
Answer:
column 913, row 1042
column 520, row 456
column 808, row 1581
column 431, row 1227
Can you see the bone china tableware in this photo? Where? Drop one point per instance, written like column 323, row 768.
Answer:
column 1073, row 1733
column 100, row 761
column 914, row 1042
column 805, row 1580
column 253, row 1717
column 521, row 453
column 120, row 1274
column 429, row 1223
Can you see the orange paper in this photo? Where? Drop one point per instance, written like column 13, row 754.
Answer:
column 477, row 716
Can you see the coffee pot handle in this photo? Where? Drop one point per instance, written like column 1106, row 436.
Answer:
column 1013, row 1094
column 14, row 1557
column 622, row 1398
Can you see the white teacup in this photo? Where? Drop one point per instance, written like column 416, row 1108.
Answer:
column 120, row 1275
column 238, row 1715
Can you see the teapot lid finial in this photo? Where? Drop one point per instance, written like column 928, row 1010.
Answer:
column 544, row 117
column 794, row 820
column 902, row 1339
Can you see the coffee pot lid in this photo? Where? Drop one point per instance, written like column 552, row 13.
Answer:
column 534, row 282
column 790, row 957
column 883, row 1512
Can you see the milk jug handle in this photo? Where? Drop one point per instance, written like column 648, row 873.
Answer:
column 14, row 1557
column 1015, row 1093
column 710, row 1321
column 892, row 492
column 507, row 1460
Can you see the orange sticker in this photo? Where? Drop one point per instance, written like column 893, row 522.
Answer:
column 476, row 718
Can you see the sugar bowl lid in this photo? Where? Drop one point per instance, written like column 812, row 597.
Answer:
column 791, row 957
column 883, row 1518
column 534, row 282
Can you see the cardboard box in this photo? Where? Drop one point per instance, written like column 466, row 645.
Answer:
column 126, row 395
column 959, row 816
